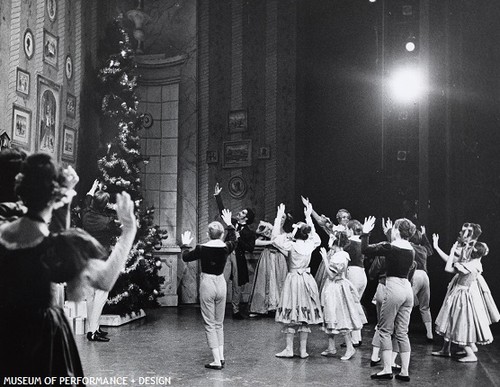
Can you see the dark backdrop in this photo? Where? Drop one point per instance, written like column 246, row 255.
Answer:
column 339, row 121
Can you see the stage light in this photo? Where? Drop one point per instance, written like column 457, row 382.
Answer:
column 410, row 46
column 407, row 84
column 373, row 1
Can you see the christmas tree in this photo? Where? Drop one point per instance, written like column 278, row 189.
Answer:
column 139, row 285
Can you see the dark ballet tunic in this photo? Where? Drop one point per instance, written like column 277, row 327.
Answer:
column 35, row 336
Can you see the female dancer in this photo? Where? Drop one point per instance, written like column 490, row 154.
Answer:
column 420, row 283
column 460, row 252
column 31, row 258
column 270, row 272
column 463, row 318
column 356, row 269
column 343, row 217
column 398, row 301
column 342, row 311
column 299, row 304
column 213, row 287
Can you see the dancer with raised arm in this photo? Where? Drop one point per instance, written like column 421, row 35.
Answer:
column 398, row 301
column 463, row 318
column 342, row 311
column 237, row 269
column 31, row 257
column 270, row 271
column 356, row 268
column 213, row 256
column 420, row 283
column 343, row 216
column 299, row 304
column 460, row 252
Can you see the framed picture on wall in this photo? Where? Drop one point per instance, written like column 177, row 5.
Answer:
column 212, row 157
column 51, row 6
column 50, row 48
column 48, row 116
column 237, row 121
column 68, row 67
column 264, row 153
column 22, row 82
column 70, row 105
column 237, row 154
column 68, row 151
column 21, row 127
column 237, row 187
column 28, row 43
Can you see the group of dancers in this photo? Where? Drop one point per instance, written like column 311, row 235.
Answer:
column 284, row 286
column 38, row 249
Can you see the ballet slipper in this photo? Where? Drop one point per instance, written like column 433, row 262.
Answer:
column 441, row 354
column 329, row 352
column 285, row 353
column 468, row 359
column 348, row 355
column 304, row 355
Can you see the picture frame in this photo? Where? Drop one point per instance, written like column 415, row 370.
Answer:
column 237, row 187
column 237, row 121
column 264, row 153
column 69, row 142
column 50, row 48
column 51, row 6
column 28, row 43
column 212, row 157
column 48, row 118
column 22, row 82
column 68, row 67
column 21, row 127
column 237, row 154
column 70, row 105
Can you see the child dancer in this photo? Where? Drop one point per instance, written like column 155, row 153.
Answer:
column 213, row 287
column 342, row 310
column 461, row 252
column 463, row 319
column 356, row 269
column 270, row 272
column 299, row 304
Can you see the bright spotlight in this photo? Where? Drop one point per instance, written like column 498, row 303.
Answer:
column 407, row 84
column 410, row 46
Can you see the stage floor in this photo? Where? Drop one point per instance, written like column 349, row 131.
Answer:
column 168, row 346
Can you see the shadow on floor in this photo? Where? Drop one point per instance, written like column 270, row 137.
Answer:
column 168, row 346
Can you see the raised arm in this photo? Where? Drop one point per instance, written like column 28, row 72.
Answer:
column 103, row 274
column 218, row 197
column 425, row 242
column 442, row 254
column 323, row 221
column 277, row 221
column 61, row 216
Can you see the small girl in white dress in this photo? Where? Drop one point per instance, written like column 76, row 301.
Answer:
column 299, row 304
column 342, row 311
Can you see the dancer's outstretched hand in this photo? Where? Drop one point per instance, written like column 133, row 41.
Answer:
column 217, row 189
column 323, row 252
column 386, row 225
column 186, row 238
column 435, row 240
column 308, row 209
column 281, row 211
column 422, row 230
column 125, row 211
column 368, row 224
column 226, row 216
column 305, row 201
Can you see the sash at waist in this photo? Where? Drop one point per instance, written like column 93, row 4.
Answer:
column 300, row 271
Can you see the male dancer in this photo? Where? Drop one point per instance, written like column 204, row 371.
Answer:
column 236, row 267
